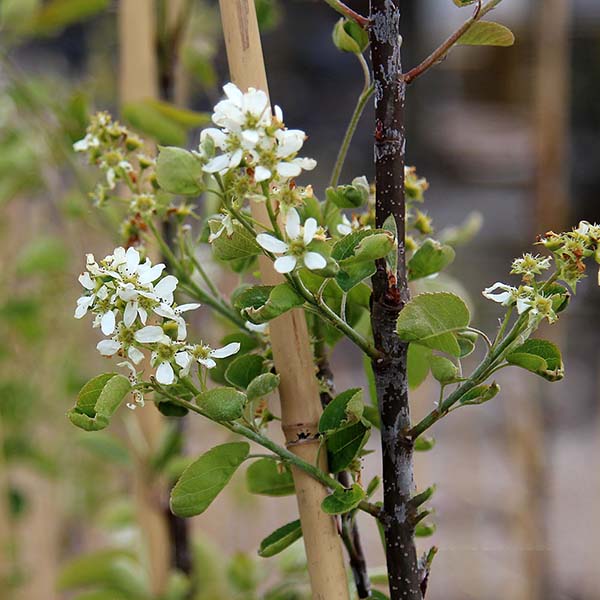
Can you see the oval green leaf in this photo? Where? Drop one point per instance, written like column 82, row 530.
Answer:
column 202, row 481
column 280, row 539
column 222, row 404
column 267, row 477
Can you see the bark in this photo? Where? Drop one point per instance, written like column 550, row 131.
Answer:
column 390, row 294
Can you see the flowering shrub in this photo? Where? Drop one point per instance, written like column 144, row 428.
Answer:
column 330, row 253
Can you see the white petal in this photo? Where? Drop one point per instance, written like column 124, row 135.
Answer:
column 271, row 243
column 285, row 264
column 132, row 260
column 310, row 228
column 130, row 313
column 261, row 174
column 107, row 324
column 226, row 351
column 251, row 136
column 290, row 141
column 165, row 374
column 278, row 113
column 183, row 359
column 209, row 363
column 86, row 281
column 165, row 287
column 313, row 260
column 288, row 169
column 181, row 329
column 151, row 274
column 236, row 158
column 217, row 136
column 308, row 164
column 292, row 224
column 149, row 334
column 108, row 347
column 165, row 311
column 143, row 314
column 83, row 304
column 343, row 229
column 186, row 307
column 258, row 328
column 217, row 164
column 135, row 354
column 234, row 93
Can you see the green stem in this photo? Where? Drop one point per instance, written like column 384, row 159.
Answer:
column 366, row 93
column 192, row 288
column 333, row 318
column 481, row 373
column 280, row 451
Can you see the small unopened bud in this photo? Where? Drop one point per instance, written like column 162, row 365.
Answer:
column 348, row 36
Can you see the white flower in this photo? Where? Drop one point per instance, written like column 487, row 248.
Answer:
column 89, row 141
column 501, row 293
column 174, row 314
column 226, row 227
column 204, row 355
column 297, row 246
column 347, row 226
column 251, row 133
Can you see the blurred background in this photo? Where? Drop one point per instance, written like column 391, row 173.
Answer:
column 511, row 134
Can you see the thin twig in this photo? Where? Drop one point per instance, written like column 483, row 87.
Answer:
column 341, row 8
column 441, row 51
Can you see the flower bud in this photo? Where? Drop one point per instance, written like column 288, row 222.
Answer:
column 348, row 36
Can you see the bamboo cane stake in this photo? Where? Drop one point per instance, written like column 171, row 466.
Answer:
column 138, row 81
column 298, row 391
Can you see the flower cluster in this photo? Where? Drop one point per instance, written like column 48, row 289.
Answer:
column 543, row 300
column 297, row 245
column 251, row 137
column 525, row 298
column 571, row 248
column 115, row 150
column 134, row 306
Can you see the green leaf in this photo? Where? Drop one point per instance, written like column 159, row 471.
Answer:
column 345, row 444
column 349, row 196
column 57, row 14
column 461, row 3
column 179, row 171
column 377, row 595
column 105, row 446
column 222, row 404
column 336, row 413
column 392, row 258
column 262, row 385
column 280, row 539
column 430, row 258
column 424, row 443
column 540, row 357
column 433, row 320
column 202, row 481
column 45, row 255
column 343, row 501
column 417, row 364
column 260, row 304
column 144, row 117
column 349, row 36
column 112, row 569
column 371, row 414
column 466, row 341
column 269, row 478
column 244, row 369
column 424, row 529
column 97, row 401
column 357, row 252
column 487, row 33
column 241, row 244
column 443, row 369
column 479, row 394
column 182, row 116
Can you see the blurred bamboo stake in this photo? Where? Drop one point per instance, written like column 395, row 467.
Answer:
column 138, row 80
column 552, row 107
column 299, row 393
column 551, row 211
